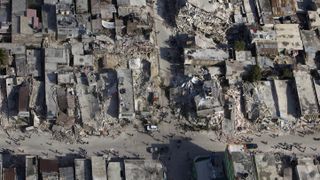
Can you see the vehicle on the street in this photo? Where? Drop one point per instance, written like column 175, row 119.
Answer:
column 251, row 146
column 316, row 138
column 152, row 149
column 150, row 127
column 158, row 149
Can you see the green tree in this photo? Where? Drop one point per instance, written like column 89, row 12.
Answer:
column 286, row 74
column 255, row 74
column 239, row 45
column 4, row 58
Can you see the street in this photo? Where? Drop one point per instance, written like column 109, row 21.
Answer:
column 182, row 146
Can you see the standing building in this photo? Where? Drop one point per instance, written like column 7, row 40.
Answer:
column 66, row 173
column 114, row 171
column 24, row 95
column 306, row 94
column 271, row 166
column 99, row 168
column 144, row 170
column 307, row 169
column 239, row 163
column 32, row 168
column 49, row 169
column 82, row 169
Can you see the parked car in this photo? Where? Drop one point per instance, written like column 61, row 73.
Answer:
column 158, row 149
column 150, row 127
column 316, row 138
column 251, row 146
column 152, row 149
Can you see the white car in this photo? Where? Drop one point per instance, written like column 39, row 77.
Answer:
column 150, row 127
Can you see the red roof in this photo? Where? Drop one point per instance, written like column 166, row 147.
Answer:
column 48, row 165
column 31, row 13
column 35, row 22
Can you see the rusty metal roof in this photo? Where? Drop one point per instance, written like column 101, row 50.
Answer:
column 283, row 7
column 48, row 165
column 9, row 173
column 24, row 97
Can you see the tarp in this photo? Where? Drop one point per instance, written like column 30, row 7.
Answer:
column 108, row 25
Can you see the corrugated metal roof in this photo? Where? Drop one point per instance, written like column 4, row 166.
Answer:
column 9, row 173
column 48, row 165
column 24, row 97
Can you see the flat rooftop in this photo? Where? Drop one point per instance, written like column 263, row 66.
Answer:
column 99, row 168
column 266, row 165
column 310, row 40
column 306, row 169
column 243, row 162
column 131, row 2
column 114, row 171
column 14, row 48
column 209, row 167
column 307, row 98
column 143, row 170
column 314, row 19
column 31, row 167
column 66, row 173
column 82, row 169
column 288, row 37
column 286, row 95
column 56, row 55
column 266, row 47
column 204, row 56
column 265, row 95
column 311, row 45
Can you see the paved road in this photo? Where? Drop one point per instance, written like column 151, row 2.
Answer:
column 132, row 143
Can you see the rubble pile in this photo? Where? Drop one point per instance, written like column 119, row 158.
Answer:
column 130, row 49
column 143, row 87
column 225, row 66
column 194, row 20
column 261, row 109
column 255, row 109
column 233, row 94
column 201, row 101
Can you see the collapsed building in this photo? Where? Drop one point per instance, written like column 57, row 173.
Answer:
column 238, row 68
column 66, row 21
column 54, row 57
column 91, row 63
column 258, row 102
column 211, row 20
column 210, row 103
column 61, row 81
column 125, row 94
column 144, row 93
column 267, row 102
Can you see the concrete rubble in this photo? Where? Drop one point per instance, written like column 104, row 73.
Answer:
column 213, row 23
column 223, row 66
